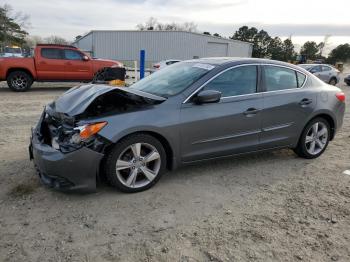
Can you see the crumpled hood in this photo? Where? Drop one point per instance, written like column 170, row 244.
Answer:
column 77, row 99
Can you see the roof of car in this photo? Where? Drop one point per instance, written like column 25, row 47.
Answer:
column 227, row 60
column 57, row 45
column 315, row 65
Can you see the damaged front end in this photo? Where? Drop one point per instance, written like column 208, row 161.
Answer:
column 64, row 160
column 64, row 133
column 66, row 147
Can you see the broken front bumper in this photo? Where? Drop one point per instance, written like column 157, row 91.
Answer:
column 74, row 171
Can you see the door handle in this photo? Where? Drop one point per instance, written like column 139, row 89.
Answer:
column 305, row 102
column 251, row 111
column 68, row 63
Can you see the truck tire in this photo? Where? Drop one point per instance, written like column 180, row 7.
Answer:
column 19, row 81
column 333, row 81
column 100, row 75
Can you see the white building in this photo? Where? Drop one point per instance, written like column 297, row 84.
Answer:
column 125, row 46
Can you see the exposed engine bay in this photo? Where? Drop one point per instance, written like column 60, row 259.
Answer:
column 67, row 132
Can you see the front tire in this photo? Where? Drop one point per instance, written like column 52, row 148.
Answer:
column 333, row 81
column 19, row 81
column 136, row 163
column 314, row 139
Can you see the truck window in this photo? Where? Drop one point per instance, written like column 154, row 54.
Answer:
column 72, row 55
column 51, row 53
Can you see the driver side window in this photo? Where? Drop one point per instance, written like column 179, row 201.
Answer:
column 236, row 81
column 72, row 55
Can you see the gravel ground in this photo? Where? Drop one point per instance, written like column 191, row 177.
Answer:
column 261, row 207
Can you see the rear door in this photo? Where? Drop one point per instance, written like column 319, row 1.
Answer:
column 326, row 73
column 232, row 125
column 286, row 104
column 50, row 64
column 75, row 67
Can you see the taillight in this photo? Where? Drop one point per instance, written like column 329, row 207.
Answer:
column 156, row 66
column 340, row 96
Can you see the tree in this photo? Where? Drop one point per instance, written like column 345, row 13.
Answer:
column 261, row 44
column 339, row 54
column 275, row 49
column 150, row 24
column 288, row 50
column 310, row 49
column 260, row 40
column 153, row 24
column 54, row 39
column 245, row 34
column 32, row 40
column 11, row 26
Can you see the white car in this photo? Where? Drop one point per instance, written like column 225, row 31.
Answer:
column 165, row 63
column 12, row 52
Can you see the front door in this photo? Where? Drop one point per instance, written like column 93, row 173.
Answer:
column 285, row 106
column 77, row 68
column 230, row 126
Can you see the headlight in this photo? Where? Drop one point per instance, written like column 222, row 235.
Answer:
column 87, row 131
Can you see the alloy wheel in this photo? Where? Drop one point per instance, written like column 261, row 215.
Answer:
column 138, row 165
column 19, row 82
column 316, row 138
column 333, row 82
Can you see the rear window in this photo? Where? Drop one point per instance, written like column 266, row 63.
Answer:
column 51, row 53
column 279, row 78
column 326, row 68
column 301, row 79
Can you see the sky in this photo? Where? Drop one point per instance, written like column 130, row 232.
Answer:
column 303, row 20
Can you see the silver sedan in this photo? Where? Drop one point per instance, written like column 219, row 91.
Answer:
column 326, row 73
column 185, row 113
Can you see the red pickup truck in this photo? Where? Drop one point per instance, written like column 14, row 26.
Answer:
column 51, row 63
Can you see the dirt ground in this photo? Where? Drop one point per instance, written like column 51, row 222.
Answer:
column 261, row 207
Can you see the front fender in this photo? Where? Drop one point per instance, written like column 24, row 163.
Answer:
column 163, row 123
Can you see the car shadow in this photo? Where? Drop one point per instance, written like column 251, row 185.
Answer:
column 37, row 89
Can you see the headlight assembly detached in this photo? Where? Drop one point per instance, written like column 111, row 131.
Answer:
column 88, row 130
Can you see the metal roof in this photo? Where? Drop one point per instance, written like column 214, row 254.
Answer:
column 160, row 31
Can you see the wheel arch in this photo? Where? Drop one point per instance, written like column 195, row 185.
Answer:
column 170, row 163
column 333, row 77
column 330, row 119
column 14, row 69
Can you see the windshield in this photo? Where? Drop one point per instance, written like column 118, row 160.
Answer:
column 306, row 67
column 13, row 50
column 173, row 79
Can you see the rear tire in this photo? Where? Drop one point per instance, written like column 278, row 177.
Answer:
column 19, row 81
column 136, row 163
column 333, row 81
column 314, row 139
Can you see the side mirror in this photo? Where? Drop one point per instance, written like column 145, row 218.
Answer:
column 207, row 96
column 85, row 58
column 313, row 70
